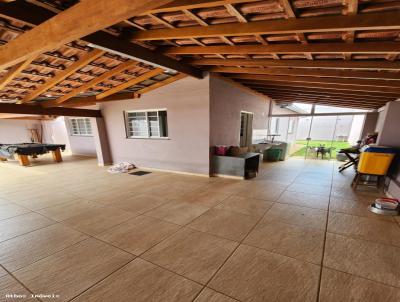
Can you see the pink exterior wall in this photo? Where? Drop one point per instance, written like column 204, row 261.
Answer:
column 226, row 103
column 186, row 149
column 17, row 131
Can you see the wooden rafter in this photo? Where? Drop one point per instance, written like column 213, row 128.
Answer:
column 323, row 64
column 91, row 100
column 307, row 79
column 293, row 25
column 382, row 90
column 38, row 110
column 311, row 72
column 108, row 74
column 62, row 28
column 83, row 61
column 35, row 15
column 14, row 71
column 161, row 83
column 130, row 83
column 329, row 48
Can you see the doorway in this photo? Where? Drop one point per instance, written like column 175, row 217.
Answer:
column 246, row 129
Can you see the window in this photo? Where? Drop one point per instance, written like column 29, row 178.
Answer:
column 147, row 124
column 290, row 126
column 80, row 126
column 274, row 125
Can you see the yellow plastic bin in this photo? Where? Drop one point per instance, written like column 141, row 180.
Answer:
column 375, row 160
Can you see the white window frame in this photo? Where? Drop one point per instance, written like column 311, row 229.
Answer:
column 146, row 111
column 86, row 122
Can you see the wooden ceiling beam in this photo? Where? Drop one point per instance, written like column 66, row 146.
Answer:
column 324, row 24
column 35, row 15
column 38, row 110
column 323, row 64
column 321, row 48
column 178, row 5
column 337, row 104
column 14, row 71
column 320, row 90
column 62, row 75
column 327, row 101
column 91, row 100
column 382, row 90
column 313, row 96
column 79, row 20
column 320, row 80
column 322, row 93
column 162, row 83
column 108, row 74
column 310, row 72
column 134, row 81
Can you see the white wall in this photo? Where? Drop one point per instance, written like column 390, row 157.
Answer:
column 80, row 145
column 55, row 132
column 227, row 101
column 16, row 131
column 186, row 149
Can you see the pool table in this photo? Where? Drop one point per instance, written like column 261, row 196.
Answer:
column 23, row 151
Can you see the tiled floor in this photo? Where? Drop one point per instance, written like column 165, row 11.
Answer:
column 297, row 232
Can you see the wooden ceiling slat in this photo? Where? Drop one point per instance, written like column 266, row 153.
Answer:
column 318, row 96
column 130, row 83
column 311, row 72
column 336, row 81
column 323, row 64
column 321, row 48
column 90, row 84
column 38, row 110
column 35, row 15
column 272, row 27
column 383, row 90
column 83, row 61
column 79, row 20
column 14, row 71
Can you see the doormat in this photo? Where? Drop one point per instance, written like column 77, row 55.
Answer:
column 140, row 173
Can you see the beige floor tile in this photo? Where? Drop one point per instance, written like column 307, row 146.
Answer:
column 26, row 249
column 366, row 259
column 298, row 242
column 178, row 212
column 9, row 286
column 296, row 215
column 355, row 207
column 138, row 234
column 204, row 197
column 244, row 205
column 310, row 189
column 263, row 190
column 338, row 286
column 68, row 210
column 347, row 192
column 305, row 200
column 11, row 210
column 209, row 295
column 227, row 224
column 73, row 270
column 140, row 204
column 364, row 228
column 192, row 254
column 141, row 281
column 98, row 220
column 46, row 199
column 253, row 274
column 108, row 197
column 2, row 272
column 22, row 224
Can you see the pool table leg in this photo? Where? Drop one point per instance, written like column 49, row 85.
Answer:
column 57, row 155
column 23, row 160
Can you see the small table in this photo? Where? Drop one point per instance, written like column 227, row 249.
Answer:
column 352, row 155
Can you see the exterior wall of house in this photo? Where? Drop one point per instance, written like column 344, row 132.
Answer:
column 80, row 145
column 388, row 128
column 226, row 103
column 55, row 132
column 17, row 131
column 187, row 147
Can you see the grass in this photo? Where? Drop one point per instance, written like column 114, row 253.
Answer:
column 336, row 144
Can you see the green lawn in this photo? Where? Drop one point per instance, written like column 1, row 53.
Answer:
column 336, row 144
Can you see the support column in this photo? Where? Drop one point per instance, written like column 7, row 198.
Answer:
column 101, row 141
column 369, row 123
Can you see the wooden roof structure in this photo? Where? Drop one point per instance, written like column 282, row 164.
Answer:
column 341, row 53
